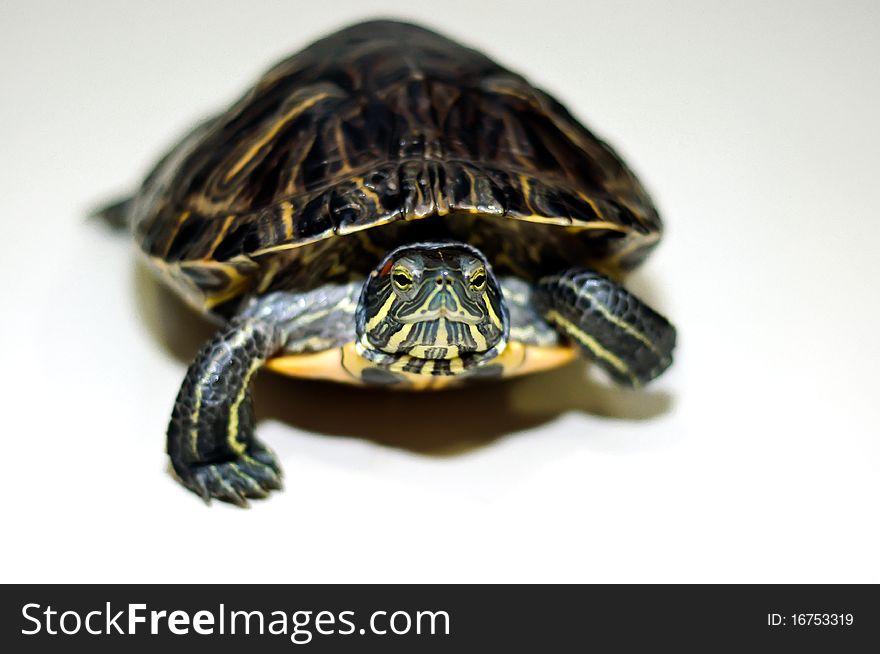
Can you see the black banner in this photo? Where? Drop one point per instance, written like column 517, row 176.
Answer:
column 419, row 618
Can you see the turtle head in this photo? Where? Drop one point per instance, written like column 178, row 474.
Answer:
column 435, row 302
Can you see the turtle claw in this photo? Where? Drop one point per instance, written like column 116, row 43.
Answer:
column 234, row 481
column 263, row 468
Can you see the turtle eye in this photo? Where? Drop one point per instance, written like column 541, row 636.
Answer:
column 478, row 280
column 401, row 279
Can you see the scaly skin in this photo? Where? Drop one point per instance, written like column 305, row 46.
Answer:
column 211, row 434
column 613, row 327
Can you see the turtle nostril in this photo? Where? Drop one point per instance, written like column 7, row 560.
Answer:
column 439, row 281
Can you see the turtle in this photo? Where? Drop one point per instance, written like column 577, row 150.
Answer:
column 388, row 207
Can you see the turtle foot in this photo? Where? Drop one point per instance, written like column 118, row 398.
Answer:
column 236, row 481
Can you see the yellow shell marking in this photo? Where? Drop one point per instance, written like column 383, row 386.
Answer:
column 292, row 113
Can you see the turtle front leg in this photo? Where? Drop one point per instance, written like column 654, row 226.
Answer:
column 211, row 434
column 613, row 327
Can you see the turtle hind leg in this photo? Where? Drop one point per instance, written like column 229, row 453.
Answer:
column 614, row 328
column 211, row 439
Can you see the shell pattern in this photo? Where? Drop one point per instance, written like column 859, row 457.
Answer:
column 379, row 134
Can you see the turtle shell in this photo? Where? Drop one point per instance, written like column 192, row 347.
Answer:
column 385, row 125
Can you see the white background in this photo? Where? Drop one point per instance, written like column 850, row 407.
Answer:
column 755, row 459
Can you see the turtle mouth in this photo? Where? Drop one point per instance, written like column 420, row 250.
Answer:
column 426, row 315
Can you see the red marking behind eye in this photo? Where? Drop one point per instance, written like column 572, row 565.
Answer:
column 386, row 269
